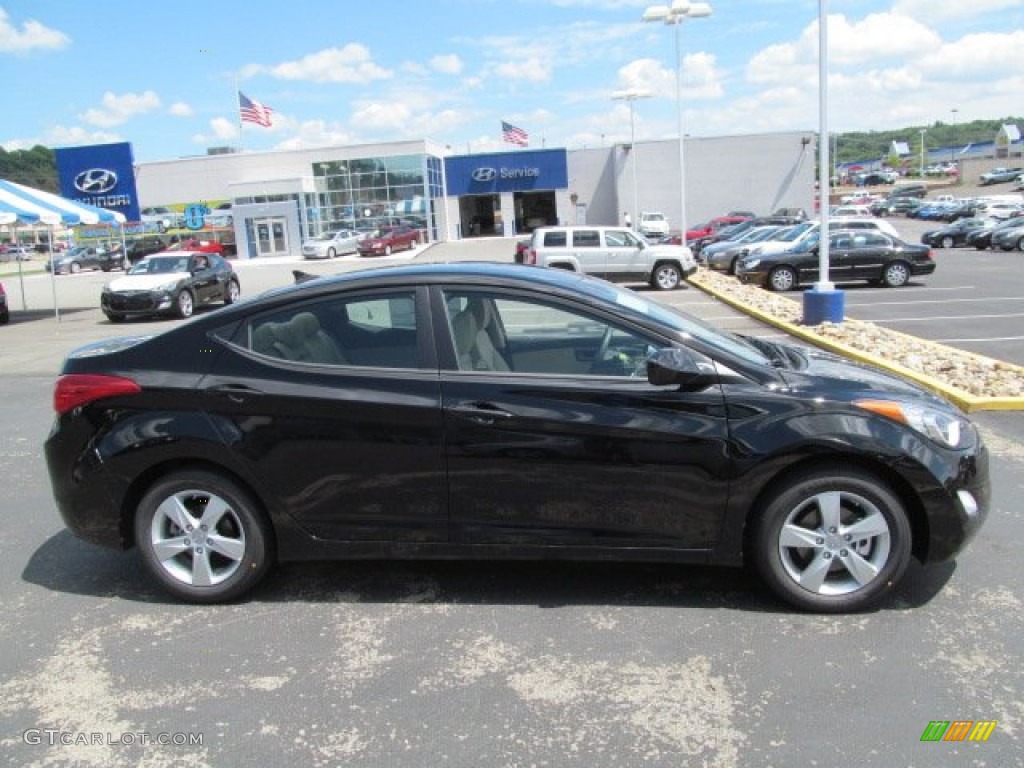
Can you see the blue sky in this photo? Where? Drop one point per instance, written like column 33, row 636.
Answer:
column 162, row 75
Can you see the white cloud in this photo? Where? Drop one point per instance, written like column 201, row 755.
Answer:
column 63, row 136
column 317, row 133
column 31, row 36
column 223, row 128
column 449, row 64
column 350, row 64
column 701, row 78
column 118, row 109
column 951, row 9
column 181, row 109
column 980, row 56
column 532, row 70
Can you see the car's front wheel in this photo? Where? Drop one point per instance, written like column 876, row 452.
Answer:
column 947, row 242
column 666, row 277
column 331, row 253
column 832, row 540
column 75, row 268
column 387, row 250
column 185, row 304
column 114, row 317
column 202, row 536
column 896, row 274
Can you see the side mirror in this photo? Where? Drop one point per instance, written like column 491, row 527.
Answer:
column 678, row 366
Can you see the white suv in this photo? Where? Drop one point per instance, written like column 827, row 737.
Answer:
column 653, row 225
column 614, row 253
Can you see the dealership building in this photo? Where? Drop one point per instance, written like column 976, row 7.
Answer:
column 280, row 198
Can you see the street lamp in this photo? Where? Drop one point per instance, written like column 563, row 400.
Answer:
column 629, row 97
column 674, row 15
column 923, row 131
column 952, row 146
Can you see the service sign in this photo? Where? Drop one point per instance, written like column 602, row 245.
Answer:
column 523, row 171
column 102, row 175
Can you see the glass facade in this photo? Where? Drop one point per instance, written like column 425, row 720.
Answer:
column 365, row 193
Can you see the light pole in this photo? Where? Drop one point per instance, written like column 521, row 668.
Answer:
column 629, row 97
column 952, row 146
column 674, row 15
column 923, row 131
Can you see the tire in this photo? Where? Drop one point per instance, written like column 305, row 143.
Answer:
column 732, row 265
column 74, row 268
column 231, row 292
column 832, row 540
column 1020, row 244
column 176, row 549
column 185, row 304
column 782, row 279
column 331, row 253
column 896, row 274
column 980, row 246
column 387, row 250
column 114, row 317
column 666, row 277
column 947, row 242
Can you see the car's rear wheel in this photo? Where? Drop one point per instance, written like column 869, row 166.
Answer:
column 114, row 317
column 896, row 274
column 75, row 268
column 947, row 242
column 231, row 292
column 832, row 540
column 202, row 536
column 387, row 250
column 331, row 253
column 782, row 279
column 1020, row 244
column 732, row 265
column 185, row 304
column 666, row 277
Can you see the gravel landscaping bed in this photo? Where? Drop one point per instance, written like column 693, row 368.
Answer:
column 973, row 375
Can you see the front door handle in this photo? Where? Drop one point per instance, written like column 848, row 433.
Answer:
column 483, row 413
column 236, row 393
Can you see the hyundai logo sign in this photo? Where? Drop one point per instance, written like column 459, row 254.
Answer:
column 484, row 174
column 95, row 181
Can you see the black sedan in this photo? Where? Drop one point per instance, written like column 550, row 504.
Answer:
column 953, row 234
column 853, row 255
column 502, row 411
column 170, row 283
column 982, row 238
column 84, row 257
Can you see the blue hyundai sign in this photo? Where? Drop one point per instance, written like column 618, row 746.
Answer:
column 522, row 171
column 102, row 175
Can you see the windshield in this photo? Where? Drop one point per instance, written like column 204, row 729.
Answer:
column 796, row 232
column 685, row 324
column 810, row 243
column 160, row 265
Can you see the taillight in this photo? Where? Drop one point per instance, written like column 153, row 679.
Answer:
column 76, row 389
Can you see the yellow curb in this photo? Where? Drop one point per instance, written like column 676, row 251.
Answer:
column 964, row 400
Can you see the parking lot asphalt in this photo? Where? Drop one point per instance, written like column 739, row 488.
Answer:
column 479, row 664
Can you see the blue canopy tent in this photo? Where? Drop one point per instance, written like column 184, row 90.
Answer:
column 26, row 205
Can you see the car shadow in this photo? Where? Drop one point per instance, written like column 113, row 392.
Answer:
column 68, row 565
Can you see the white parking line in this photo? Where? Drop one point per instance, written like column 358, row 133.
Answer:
column 944, row 317
column 935, row 301
column 990, row 338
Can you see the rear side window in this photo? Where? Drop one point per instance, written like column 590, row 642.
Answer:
column 554, row 239
column 586, row 238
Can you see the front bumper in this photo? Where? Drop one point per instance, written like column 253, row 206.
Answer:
column 137, row 302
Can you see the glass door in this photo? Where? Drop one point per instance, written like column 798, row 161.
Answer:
column 271, row 236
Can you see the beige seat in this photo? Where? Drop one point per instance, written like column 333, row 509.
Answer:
column 300, row 339
column 474, row 330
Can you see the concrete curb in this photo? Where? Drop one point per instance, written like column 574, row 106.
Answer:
column 964, row 400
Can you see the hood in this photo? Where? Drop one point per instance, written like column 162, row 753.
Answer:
column 146, row 282
column 827, row 373
column 675, row 251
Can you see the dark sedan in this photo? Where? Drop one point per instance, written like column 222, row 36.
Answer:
column 170, row 283
column 858, row 255
column 954, row 234
column 982, row 238
column 1009, row 238
column 84, row 257
column 501, row 411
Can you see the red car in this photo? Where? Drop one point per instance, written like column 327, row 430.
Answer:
column 708, row 228
column 199, row 246
column 389, row 239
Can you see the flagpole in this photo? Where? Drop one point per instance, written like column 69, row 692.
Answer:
column 238, row 114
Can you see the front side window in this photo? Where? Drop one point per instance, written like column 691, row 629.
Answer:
column 377, row 330
column 620, row 239
column 514, row 335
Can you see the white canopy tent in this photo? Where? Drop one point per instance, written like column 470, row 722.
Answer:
column 25, row 205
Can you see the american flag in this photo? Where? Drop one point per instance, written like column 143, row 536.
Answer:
column 513, row 135
column 254, row 112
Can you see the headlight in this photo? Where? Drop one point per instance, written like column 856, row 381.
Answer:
column 945, row 428
column 167, row 287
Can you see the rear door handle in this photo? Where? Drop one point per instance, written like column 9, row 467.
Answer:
column 236, row 393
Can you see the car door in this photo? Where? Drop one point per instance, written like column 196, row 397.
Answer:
column 589, row 251
column 204, row 278
column 868, row 254
column 555, row 437
column 840, row 246
column 335, row 407
column 626, row 257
